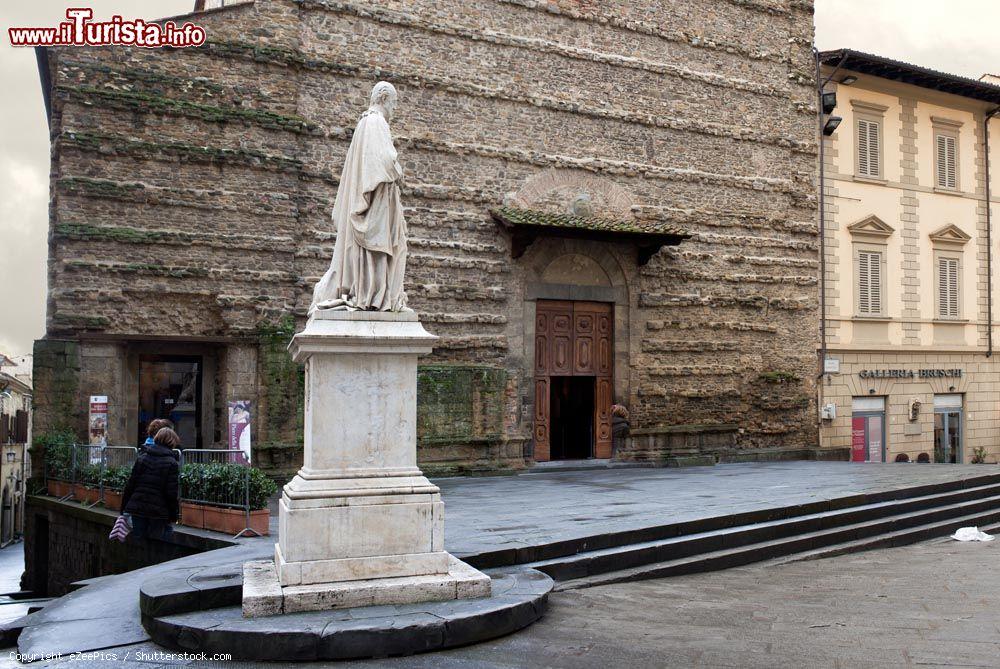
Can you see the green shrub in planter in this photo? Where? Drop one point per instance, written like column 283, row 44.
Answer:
column 115, row 478
column 223, row 483
column 89, row 475
column 57, row 450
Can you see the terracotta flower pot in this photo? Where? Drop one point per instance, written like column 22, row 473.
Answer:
column 260, row 522
column 232, row 521
column 85, row 494
column 192, row 515
column 113, row 499
column 59, row 488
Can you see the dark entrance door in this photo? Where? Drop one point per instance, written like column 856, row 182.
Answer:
column 572, row 404
column 170, row 387
column 573, row 380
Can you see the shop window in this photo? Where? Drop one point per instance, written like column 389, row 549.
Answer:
column 948, row 428
column 868, row 429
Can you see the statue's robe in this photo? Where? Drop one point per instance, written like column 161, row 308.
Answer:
column 369, row 256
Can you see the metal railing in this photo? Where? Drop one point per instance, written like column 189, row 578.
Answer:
column 221, row 478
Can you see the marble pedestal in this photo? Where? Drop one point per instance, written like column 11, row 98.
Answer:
column 360, row 512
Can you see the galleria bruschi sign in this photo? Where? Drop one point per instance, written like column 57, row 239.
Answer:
column 909, row 373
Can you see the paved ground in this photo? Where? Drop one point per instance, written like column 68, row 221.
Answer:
column 490, row 513
column 934, row 604
column 11, row 567
column 484, row 514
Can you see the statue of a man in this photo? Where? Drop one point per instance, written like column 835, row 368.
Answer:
column 369, row 256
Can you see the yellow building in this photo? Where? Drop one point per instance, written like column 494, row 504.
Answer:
column 910, row 305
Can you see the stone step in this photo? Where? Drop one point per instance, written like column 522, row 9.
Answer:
column 939, row 531
column 540, row 552
column 623, row 557
column 885, row 532
column 519, row 597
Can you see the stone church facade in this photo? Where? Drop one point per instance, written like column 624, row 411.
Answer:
column 607, row 203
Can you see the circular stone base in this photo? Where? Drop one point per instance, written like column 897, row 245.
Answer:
column 519, row 598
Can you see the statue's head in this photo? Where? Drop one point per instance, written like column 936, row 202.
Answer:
column 384, row 96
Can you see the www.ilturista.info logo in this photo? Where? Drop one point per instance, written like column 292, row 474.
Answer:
column 81, row 31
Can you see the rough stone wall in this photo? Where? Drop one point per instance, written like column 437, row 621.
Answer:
column 192, row 189
column 65, row 542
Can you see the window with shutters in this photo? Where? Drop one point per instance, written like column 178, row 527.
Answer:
column 948, row 283
column 946, row 161
column 868, row 118
column 869, row 148
column 870, row 283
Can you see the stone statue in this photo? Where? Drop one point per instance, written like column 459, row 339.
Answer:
column 369, row 256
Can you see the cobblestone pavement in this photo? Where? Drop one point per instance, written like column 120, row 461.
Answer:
column 933, row 604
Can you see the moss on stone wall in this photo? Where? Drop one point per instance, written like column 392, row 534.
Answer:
column 148, row 78
column 282, row 389
column 176, row 150
column 116, row 234
column 57, row 413
column 158, row 104
column 79, row 322
column 98, row 188
column 460, row 403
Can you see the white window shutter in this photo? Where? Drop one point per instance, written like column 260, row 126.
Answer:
column 953, row 288
column 864, row 306
column 863, row 149
column 952, row 151
column 873, row 149
column 947, row 162
column 948, row 287
column 942, row 158
column 875, row 260
column 869, row 283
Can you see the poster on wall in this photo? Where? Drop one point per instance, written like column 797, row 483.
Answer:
column 874, row 439
column 859, row 447
column 98, row 423
column 239, row 428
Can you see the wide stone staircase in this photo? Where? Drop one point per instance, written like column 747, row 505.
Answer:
column 808, row 531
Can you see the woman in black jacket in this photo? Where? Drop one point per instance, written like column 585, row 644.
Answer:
column 150, row 496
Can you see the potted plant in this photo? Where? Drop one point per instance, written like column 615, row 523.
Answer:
column 114, row 480
column 57, row 454
column 214, row 497
column 86, row 489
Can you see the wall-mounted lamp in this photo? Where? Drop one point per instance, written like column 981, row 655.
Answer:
column 831, row 125
column 848, row 80
column 871, row 392
column 829, row 102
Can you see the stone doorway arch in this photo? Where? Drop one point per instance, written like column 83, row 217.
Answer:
column 575, row 271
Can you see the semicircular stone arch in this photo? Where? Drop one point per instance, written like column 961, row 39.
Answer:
column 557, row 189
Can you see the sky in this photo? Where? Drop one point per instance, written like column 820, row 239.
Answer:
column 957, row 36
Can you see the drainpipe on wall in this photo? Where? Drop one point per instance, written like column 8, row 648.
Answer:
column 989, row 238
column 820, row 85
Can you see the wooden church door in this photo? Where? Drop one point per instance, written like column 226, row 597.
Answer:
column 573, row 339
